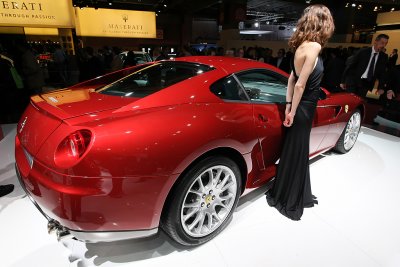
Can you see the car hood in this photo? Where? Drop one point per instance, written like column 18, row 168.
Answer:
column 67, row 103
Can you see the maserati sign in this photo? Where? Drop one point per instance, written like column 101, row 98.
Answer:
column 115, row 23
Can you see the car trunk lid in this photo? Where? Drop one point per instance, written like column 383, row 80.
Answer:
column 47, row 111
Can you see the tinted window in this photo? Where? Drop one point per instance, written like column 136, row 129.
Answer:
column 264, row 86
column 228, row 89
column 153, row 78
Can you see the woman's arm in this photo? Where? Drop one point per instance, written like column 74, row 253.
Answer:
column 289, row 92
column 290, row 87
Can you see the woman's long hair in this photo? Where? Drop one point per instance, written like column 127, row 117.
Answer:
column 315, row 25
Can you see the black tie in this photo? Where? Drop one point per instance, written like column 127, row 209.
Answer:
column 370, row 74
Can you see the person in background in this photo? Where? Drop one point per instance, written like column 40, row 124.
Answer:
column 185, row 51
column 60, row 61
column 30, row 69
column 72, row 70
column 8, row 89
column 212, row 51
column 240, row 53
column 281, row 61
column 116, row 63
column 130, row 60
column 162, row 54
column 365, row 67
column 333, row 71
column 95, row 67
column 251, row 53
column 220, row 51
column 394, row 84
column 393, row 58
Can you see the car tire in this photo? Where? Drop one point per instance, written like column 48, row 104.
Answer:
column 199, row 207
column 350, row 133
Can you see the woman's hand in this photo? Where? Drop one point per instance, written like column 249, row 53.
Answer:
column 289, row 118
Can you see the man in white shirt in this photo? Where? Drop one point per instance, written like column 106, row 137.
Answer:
column 365, row 67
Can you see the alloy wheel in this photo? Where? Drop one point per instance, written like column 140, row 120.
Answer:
column 209, row 201
column 352, row 130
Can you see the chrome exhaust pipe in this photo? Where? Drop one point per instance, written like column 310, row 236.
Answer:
column 51, row 227
column 62, row 234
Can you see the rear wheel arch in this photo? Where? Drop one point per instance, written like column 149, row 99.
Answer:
column 222, row 151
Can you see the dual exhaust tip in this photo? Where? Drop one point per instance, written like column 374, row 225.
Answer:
column 60, row 231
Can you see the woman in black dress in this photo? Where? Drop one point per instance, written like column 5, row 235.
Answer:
column 291, row 191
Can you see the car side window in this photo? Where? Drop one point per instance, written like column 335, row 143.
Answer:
column 264, row 86
column 228, row 89
column 153, row 78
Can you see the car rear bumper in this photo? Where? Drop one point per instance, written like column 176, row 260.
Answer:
column 90, row 236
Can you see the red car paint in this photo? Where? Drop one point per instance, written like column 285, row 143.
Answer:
column 140, row 146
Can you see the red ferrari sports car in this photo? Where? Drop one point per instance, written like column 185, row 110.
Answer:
column 170, row 144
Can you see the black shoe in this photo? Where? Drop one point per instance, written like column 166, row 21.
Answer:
column 6, row 189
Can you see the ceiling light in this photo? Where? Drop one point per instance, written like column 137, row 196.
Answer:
column 393, row 9
column 347, row 5
column 353, row 5
column 254, row 32
column 256, row 24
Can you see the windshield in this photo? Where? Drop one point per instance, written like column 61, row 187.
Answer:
column 153, row 78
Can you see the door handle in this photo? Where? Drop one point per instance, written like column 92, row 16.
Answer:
column 262, row 118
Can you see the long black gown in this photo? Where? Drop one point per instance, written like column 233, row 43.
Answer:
column 291, row 192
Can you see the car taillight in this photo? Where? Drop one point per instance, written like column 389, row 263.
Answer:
column 72, row 148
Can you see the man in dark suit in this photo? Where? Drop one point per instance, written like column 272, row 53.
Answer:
column 365, row 67
column 393, row 58
column 281, row 61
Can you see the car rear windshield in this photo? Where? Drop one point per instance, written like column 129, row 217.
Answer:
column 153, row 78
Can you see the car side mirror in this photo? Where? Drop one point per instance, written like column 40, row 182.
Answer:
column 322, row 94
